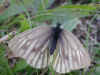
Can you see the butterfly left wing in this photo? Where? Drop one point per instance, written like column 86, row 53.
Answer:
column 70, row 54
column 32, row 45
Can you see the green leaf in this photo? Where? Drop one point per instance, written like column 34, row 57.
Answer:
column 71, row 24
column 4, row 66
column 97, row 72
column 24, row 23
column 20, row 65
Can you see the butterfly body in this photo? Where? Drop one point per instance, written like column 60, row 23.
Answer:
column 55, row 36
column 37, row 45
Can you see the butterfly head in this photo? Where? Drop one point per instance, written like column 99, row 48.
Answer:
column 58, row 25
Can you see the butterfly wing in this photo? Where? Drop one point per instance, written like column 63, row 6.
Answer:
column 32, row 45
column 71, row 55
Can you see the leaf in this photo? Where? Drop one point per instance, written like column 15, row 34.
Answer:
column 97, row 72
column 20, row 65
column 24, row 23
column 4, row 66
column 71, row 24
column 64, row 13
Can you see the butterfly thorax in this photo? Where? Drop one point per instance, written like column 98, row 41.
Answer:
column 55, row 35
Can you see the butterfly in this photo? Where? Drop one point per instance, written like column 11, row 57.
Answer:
column 45, row 46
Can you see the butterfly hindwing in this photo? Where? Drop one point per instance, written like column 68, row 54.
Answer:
column 32, row 45
column 71, row 55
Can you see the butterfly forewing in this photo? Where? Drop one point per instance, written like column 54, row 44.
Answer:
column 71, row 55
column 32, row 45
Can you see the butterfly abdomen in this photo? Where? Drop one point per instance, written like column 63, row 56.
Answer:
column 56, row 31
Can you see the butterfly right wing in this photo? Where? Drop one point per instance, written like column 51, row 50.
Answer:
column 32, row 45
column 70, row 54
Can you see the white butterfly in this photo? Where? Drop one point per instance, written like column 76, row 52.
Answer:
column 44, row 46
